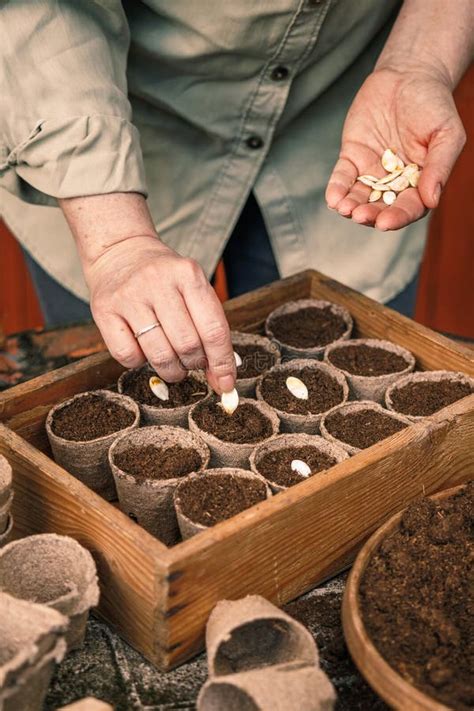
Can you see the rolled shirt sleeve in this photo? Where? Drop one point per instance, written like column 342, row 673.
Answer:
column 65, row 119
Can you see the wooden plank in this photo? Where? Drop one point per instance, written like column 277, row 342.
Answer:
column 288, row 544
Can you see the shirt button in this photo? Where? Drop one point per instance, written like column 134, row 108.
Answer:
column 254, row 142
column 279, row 73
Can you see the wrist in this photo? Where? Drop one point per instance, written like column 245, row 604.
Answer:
column 408, row 70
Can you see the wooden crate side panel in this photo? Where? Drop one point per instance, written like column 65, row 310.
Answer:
column 131, row 563
column 286, row 546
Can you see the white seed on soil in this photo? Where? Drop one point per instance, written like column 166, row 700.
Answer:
column 375, row 195
column 159, row 388
column 399, row 184
column 230, row 401
column 297, row 387
column 300, row 467
column 390, row 161
column 389, row 197
column 238, row 360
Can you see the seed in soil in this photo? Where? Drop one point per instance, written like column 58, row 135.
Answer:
column 230, row 401
column 297, row 388
column 255, row 360
column 159, row 388
column 244, row 426
column 276, row 465
column 324, row 391
column 416, row 598
column 210, row 499
column 308, row 327
column 136, row 384
column 300, row 467
column 149, row 462
column 425, row 398
column 366, row 360
column 362, row 428
column 90, row 417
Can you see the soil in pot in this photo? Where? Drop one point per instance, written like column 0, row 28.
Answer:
column 255, row 360
column 362, row 428
column 89, row 418
column 245, row 426
column 324, row 392
column 423, row 399
column 367, row 360
column 416, row 598
column 308, row 327
column 148, row 462
column 210, row 499
column 136, row 385
column 276, row 466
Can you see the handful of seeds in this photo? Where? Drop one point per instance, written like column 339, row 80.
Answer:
column 399, row 178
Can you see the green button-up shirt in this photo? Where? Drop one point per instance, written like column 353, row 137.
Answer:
column 214, row 100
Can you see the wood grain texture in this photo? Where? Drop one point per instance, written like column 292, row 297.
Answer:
column 392, row 687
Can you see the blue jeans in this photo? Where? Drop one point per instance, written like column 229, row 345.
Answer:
column 249, row 264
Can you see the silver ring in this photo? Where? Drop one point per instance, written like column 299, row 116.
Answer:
column 146, row 329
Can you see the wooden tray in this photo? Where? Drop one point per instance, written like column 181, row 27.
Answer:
column 392, row 687
column 159, row 599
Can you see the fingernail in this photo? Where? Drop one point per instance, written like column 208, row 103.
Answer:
column 437, row 194
column 226, row 383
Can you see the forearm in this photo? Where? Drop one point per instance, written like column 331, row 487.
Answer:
column 433, row 34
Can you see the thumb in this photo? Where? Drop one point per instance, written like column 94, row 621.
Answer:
column 443, row 150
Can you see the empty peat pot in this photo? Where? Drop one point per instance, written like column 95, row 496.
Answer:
column 182, row 396
column 81, row 430
column 370, row 365
column 202, row 500
column 304, row 328
column 31, row 644
column 357, row 425
column 420, row 395
column 273, row 458
column 231, row 438
column 326, row 388
column 5, row 482
column 258, row 354
column 147, row 465
column 55, row 571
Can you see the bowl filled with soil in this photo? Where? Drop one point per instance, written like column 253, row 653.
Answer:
column 420, row 395
column 289, row 459
column 147, row 465
column 172, row 411
column 254, row 356
column 203, row 500
column 300, row 406
column 231, row 438
column 406, row 609
column 370, row 365
column 80, row 431
column 357, row 425
column 304, row 328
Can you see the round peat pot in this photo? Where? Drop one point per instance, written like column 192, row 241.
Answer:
column 391, row 686
column 310, row 325
column 182, row 396
column 5, row 537
column 258, row 354
column 55, row 571
column 202, row 500
column 369, row 365
column 87, row 459
column 170, row 453
column 272, row 459
column 5, row 481
column 231, row 438
column 5, row 513
column 327, row 387
column 372, row 421
column 429, row 392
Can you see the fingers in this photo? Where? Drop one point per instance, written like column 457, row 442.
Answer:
column 342, row 179
column 443, row 151
column 119, row 339
column 407, row 208
column 180, row 330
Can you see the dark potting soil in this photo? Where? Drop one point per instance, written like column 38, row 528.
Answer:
column 149, row 462
column 309, row 327
column 210, row 499
column 137, row 386
column 276, row 466
column 367, row 360
column 362, row 428
column 416, row 598
column 246, row 424
column 255, row 361
column 324, row 391
column 90, row 417
column 425, row 398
